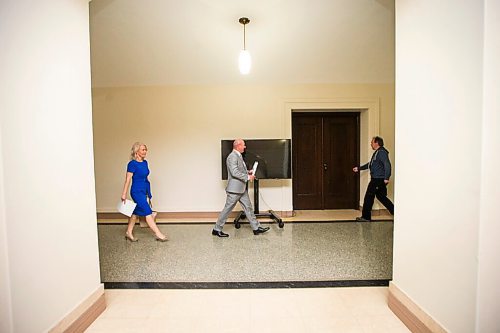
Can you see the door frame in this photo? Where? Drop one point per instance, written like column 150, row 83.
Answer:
column 328, row 115
column 369, row 109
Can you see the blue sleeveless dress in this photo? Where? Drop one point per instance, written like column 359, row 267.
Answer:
column 140, row 189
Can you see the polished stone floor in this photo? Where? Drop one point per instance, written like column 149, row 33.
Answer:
column 311, row 310
column 308, row 251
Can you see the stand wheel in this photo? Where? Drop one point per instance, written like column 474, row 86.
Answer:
column 281, row 224
column 237, row 225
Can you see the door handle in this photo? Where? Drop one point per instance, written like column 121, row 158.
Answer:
column 325, row 166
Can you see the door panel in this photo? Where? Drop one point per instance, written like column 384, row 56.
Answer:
column 306, row 154
column 339, row 156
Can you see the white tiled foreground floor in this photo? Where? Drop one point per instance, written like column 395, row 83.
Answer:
column 308, row 310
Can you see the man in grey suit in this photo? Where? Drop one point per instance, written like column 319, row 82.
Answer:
column 236, row 190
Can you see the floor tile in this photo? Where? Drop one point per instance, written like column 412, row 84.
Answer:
column 254, row 310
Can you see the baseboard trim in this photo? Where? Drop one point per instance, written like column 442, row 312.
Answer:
column 416, row 319
column 84, row 314
column 182, row 215
column 377, row 212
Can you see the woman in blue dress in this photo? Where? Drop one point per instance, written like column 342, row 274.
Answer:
column 137, row 172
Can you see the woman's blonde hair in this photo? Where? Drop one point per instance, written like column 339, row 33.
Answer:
column 135, row 148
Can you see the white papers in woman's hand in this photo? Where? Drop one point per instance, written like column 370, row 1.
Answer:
column 127, row 207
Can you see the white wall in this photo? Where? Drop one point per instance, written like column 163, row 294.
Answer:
column 5, row 296
column 439, row 118
column 488, row 299
column 48, row 214
column 183, row 126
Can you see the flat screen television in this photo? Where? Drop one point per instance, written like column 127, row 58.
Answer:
column 273, row 155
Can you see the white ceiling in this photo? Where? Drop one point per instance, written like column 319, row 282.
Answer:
column 160, row 42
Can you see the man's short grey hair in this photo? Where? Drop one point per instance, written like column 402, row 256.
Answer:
column 237, row 142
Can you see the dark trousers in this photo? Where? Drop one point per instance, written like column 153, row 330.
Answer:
column 376, row 188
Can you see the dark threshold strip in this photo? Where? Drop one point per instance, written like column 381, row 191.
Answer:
column 262, row 222
column 245, row 285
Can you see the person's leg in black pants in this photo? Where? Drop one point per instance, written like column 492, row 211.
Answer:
column 371, row 191
column 382, row 197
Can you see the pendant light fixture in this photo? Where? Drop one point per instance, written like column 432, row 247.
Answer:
column 245, row 61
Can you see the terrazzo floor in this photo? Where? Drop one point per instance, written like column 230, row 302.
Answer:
column 309, row 251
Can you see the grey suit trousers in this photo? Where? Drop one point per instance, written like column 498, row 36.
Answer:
column 246, row 204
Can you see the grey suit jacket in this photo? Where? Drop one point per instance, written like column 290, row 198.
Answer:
column 237, row 174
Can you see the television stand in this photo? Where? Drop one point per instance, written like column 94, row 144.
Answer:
column 270, row 214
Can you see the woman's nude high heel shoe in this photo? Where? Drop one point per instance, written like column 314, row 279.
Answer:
column 164, row 239
column 130, row 238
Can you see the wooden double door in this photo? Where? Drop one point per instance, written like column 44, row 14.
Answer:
column 325, row 147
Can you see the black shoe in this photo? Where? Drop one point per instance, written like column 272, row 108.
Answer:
column 362, row 219
column 260, row 230
column 219, row 233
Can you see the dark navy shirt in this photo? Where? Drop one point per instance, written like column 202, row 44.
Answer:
column 380, row 166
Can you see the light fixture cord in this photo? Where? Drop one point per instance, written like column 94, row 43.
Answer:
column 244, row 38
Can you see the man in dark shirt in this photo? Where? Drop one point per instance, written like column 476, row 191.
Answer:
column 380, row 172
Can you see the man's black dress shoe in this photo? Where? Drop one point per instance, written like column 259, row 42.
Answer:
column 219, row 233
column 362, row 219
column 260, row 230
